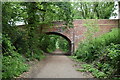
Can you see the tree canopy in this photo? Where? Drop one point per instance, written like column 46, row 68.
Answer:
column 25, row 41
column 93, row 10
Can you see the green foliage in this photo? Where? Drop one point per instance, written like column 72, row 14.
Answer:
column 92, row 28
column 107, row 63
column 66, row 13
column 94, row 71
column 63, row 44
column 53, row 42
column 13, row 66
column 104, row 54
column 90, row 51
column 75, row 58
column 110, row 59
column 33, row 20
column 12, row 62
column 25, row 41
column 81, row 70
column 48, row 42
column 93, row 10
column 113, row 51
column 38, row 56
column 49, row 11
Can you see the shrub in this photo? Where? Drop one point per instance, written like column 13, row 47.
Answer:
column 103, row 53
column 94, row 71
column 12, row 62
column 13, row 66
column 90, row 50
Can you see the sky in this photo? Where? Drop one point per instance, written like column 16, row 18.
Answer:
column 115, row 11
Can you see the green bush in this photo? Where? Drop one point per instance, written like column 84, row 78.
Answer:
column 103, row 53
column 53, row 42
column 90, row 50
column 28, row 47
column 94, row 71
column 111, row 59
column 38, row 54
column 13, row 64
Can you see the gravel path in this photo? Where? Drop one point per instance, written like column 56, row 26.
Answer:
column 59, row 66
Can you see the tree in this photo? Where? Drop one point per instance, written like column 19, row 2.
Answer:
column 93, row 10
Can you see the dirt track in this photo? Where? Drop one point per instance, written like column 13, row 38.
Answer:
column 52, row 66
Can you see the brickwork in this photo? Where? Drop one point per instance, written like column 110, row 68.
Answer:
column 76, row 34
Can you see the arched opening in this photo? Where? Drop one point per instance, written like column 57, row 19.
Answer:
column 66, row 38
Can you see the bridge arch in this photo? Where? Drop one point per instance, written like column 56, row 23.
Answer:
column 65, row 37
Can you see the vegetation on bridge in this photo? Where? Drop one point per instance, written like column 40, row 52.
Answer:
column 24, row 44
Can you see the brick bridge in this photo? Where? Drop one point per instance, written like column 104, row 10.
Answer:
column 76, row 34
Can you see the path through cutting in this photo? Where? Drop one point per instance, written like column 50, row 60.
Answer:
column 55, row 66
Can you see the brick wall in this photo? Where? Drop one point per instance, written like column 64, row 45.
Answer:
column 76, row 34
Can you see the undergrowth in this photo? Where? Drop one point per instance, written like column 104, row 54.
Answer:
column 101, row 54
column 13, row 64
